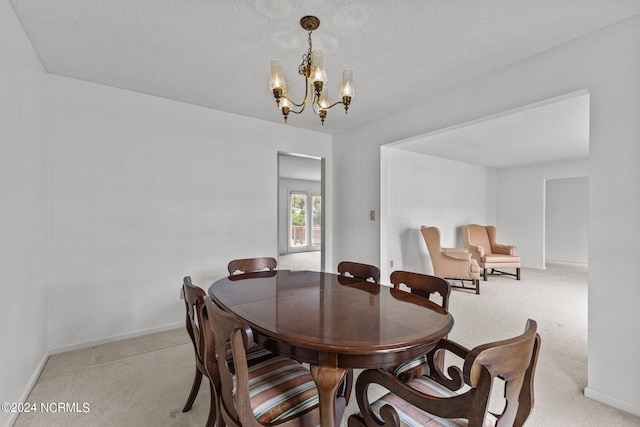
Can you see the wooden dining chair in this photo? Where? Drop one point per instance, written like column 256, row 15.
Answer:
column 279, row 391
column 205, row 352
column 250, row 265
column 464, row 398
column 359, row 270
column 194, row 300
column 424, row 285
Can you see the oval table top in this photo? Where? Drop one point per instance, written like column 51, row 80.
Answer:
column 325, row 312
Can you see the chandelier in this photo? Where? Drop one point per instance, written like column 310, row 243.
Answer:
column 312, row 68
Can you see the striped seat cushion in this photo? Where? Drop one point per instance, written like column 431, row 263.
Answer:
column 280, row 388
column 253, row 353
column 257, row 353
column 410, row 416
column 410, row 366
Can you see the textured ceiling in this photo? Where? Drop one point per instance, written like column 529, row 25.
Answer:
column 554, row 130
column 216, row 53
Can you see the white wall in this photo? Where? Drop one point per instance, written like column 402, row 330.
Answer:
column 145, row 191
column 608, row 64
column 23, row 213
column 521, row 205
column 567, row 220
column 416, row 190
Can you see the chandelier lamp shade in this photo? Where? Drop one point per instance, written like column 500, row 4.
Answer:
column 315, row 77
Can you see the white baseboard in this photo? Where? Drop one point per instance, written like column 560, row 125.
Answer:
column 32, row 382
column 571, row 262
column 62, row 349
column 612, row 401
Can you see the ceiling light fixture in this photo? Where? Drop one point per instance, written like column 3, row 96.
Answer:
column 312, row 68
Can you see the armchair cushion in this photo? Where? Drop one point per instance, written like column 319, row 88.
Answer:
column 498, row 258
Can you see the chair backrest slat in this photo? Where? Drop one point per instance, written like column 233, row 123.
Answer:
column 250, row 265
column 359, row 270
column 423, row 285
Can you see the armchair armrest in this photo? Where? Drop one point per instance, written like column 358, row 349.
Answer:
column 455, row 264
column 476, row 250
column 504, row 249
column 458, row 253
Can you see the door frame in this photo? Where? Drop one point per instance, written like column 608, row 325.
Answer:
column 284, row 214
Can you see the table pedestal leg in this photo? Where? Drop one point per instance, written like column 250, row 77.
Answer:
column 327, row 380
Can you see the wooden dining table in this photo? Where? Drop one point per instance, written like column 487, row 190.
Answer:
column 334, row 323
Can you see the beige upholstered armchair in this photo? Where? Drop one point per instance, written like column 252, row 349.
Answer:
column 451, row 263
column 481, row 241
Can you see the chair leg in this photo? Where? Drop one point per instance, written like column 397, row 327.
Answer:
column 194, row 391
column 215, row 414
column 477, row 283
column 347, row 386
column 484, row 274
column 518, row 273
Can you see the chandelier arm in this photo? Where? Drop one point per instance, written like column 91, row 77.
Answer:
column 306, row 94
column 296, row 104
column 297, row 112
column 331, row 106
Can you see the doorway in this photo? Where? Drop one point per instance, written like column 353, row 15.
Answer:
column 566, row 225
column 300, row 212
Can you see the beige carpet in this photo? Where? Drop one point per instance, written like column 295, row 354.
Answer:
column 300, row 261
column 145, row 381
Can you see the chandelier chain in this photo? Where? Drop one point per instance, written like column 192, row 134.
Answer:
column 305, row 66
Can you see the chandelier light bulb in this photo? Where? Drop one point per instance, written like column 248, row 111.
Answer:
column 323, row 102
column 347, row 84
column 284, row 101
column 277, row 76
column 318, row 74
